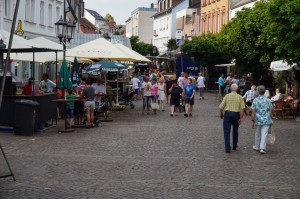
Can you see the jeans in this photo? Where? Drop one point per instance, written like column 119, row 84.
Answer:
column 147, row 102
column 261, row 132
column 231, row 118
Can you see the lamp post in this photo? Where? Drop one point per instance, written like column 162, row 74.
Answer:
column 106, row 36
column 65, row 30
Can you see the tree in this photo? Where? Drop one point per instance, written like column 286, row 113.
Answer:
column 242, row 39
column 172, row 44
column 141, row 47
column 206, row 49
column 283, row 29
column 110, row 18
column 117, row 32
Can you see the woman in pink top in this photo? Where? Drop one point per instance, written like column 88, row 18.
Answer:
column 154, row 92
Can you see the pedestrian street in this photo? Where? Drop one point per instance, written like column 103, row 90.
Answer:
column 153, row 156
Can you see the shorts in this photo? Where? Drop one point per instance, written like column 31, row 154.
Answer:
column 89, row 105
column 175, row 101
column 189, row 101
column 70, row 112
column 136, row 91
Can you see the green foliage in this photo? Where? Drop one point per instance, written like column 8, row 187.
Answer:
column 110, row 18
column 206, row 49
column 172, row 44
column 283, row 29
column 117, row 33
column 141, row 47
column 242, row 38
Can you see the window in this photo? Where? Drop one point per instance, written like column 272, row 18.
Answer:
column 27, row 10
column 213, row 23
column 7, row 8
column 57, row 13
column 50, row 15
column 42, row 13
column 218, row 23
column 32, row 10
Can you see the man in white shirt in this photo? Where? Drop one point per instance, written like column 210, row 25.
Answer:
column 201, row 85
column 277, row 96
column 180, row 79
column 135, row 83
column 100, row 89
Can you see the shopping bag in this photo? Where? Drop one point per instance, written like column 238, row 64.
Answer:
column 271, row 136
column 154, row 106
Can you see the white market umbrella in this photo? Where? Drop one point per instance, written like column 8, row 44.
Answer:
column 132, row 53
column 281, row 65
column 99, row 49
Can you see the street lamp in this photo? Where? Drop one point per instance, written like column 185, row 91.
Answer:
column 64, row 30
column 106, row 36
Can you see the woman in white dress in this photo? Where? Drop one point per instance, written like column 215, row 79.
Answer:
column 161, row 94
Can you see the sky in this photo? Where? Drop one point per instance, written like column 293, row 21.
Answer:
column 119, row 9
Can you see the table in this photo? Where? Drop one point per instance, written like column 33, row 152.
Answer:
column 64, row 101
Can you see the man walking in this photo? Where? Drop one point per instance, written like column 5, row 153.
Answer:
column 221, row 86
column 189, row 92
column 233, row 105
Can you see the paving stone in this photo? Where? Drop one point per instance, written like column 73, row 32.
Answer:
column 156, row 156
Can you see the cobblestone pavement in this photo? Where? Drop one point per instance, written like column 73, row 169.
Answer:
column 139, row 157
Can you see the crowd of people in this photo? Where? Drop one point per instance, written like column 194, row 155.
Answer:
column 156, row 92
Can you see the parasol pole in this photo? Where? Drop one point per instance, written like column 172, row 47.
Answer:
column 118, row 88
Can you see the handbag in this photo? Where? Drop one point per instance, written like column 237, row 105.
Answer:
column 154, row 105
column 271, row 138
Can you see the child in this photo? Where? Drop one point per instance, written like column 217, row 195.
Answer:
column 70, row 107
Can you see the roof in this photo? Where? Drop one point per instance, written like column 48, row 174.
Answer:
column 240, row 3
column 143, row 9
column 96, row 15
column 87, row 24
column 111, row 25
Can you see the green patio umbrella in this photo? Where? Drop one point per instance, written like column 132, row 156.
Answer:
column 64, row 81
column 75, row 73
column 107, row 66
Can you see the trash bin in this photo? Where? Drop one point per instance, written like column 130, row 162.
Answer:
column 24, row 117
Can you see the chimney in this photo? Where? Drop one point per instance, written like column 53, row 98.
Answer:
column 152, row 5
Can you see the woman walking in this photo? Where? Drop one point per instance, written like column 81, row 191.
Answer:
column 154, row 92
column 175, row 92
column 261, row 119
column 161, row 94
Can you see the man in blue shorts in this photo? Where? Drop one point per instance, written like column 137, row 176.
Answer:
column 189, row 92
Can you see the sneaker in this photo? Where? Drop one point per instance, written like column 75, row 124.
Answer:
column 191, row 115
column 262, row 151
column 171, row 115
column 227, row 151
column 186, row 115
column 234, row 148
column 255, row 148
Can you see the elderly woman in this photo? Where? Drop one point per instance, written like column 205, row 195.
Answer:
column 261, row 119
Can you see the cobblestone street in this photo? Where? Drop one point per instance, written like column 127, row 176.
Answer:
column 145, row 156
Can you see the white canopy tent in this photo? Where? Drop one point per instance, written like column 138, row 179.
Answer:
column 132, row 53
column 99, row 49
column 282, row 65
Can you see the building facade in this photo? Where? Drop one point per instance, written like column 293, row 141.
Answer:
column 36, row 18
column 215, row 14
column 128, row 24
column 141, row 23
